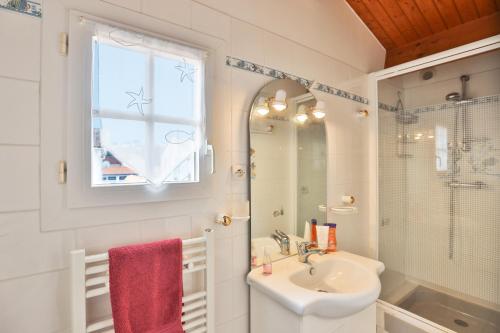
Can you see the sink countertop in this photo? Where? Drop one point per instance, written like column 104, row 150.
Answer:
column 303, row 301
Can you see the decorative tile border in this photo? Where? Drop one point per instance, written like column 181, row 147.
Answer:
column 23, row 6
column 442, row 106
column 386, row 107
column 277, row 74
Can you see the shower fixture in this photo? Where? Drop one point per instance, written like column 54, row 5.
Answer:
column 402, row 116
column 462, row 99
column 457, row 97
column 453, row 97
column 461, row 110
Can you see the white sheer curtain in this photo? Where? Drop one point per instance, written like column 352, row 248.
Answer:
column 147, row 108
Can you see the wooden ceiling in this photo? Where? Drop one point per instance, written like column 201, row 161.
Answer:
column 411, row 29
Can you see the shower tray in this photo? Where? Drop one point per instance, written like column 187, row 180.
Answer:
column 451, row 312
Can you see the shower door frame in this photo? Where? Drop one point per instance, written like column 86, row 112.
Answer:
column 481, row 46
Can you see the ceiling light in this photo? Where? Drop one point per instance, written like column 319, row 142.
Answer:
column 318, row 110
column 301, row 116
column 262, row 108
column 279, row 101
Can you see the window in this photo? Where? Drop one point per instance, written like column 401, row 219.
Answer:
column 147, row 109
column 441, row 148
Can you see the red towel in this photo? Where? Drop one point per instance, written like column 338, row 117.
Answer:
column 145, row 283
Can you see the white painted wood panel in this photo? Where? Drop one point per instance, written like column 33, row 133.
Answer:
column 20, row 44
column 24, row 250
column 19, row 111
column 19, row 178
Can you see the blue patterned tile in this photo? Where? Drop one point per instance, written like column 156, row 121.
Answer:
column 441, row 106
column 277, row 74
column 23, row 6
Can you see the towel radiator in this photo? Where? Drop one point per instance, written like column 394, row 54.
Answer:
column 90, row 278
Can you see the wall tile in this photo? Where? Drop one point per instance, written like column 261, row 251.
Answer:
column 223, row 259
column 20, row 40
column 19, row 176
column 241, row 296
column 38, row 303
column 19, row 112
column 223, row 302
column 101, row 239
column 241, row 255
column 280, row 53
column 209, row 21
column 24, row 250
column 175, row 227
column 241, row 324
column 247, row 42
column 225, row 328
column 174, row 11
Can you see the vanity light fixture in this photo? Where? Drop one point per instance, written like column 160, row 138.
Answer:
column 279, row 101
column 262, row 108
column 318, row 110
column 301, row 116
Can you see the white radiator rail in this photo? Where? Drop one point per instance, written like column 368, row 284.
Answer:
column 90, row 278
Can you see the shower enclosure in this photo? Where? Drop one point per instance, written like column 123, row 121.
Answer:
column 439, row 193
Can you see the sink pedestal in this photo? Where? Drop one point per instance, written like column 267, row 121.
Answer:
column 268, row 316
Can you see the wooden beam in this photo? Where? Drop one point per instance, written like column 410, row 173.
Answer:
column 469, row 32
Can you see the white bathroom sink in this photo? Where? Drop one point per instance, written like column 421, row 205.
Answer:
column 342, row 284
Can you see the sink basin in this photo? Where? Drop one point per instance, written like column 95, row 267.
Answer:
column 339, row 284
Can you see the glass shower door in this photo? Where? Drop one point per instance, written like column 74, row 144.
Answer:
column 439, row 231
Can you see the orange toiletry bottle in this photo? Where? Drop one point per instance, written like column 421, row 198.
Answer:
column 332, row 238
column 314, row 233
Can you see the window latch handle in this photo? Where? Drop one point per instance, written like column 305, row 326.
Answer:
column 211, row 151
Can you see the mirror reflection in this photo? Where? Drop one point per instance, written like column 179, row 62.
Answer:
column 287, row 168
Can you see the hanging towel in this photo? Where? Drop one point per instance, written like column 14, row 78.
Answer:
column 145, row 283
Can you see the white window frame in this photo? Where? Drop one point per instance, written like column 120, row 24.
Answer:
column 80, row 193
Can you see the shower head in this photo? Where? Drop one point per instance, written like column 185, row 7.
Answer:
column 457, row 97
column 406, row 118
column 453, row 97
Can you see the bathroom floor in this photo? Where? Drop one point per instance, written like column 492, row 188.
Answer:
column 451, row 312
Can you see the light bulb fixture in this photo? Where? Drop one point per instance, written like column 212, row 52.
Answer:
column 279, row 101
column 301, row 116
column 262, row 108
column 318, row 110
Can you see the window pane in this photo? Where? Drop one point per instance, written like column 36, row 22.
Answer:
column 176, row 152
column 120, row 79
column 118, row 152
column 174, row 87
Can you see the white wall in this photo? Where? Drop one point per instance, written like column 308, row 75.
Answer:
column 316, row 39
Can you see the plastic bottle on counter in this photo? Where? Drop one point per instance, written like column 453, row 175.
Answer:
column 314, row 233
column 332, row 238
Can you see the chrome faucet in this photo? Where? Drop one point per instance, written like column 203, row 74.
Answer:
column 283, row 241
column 303, row 252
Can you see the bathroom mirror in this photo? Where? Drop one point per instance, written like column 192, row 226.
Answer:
column 287, row 167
